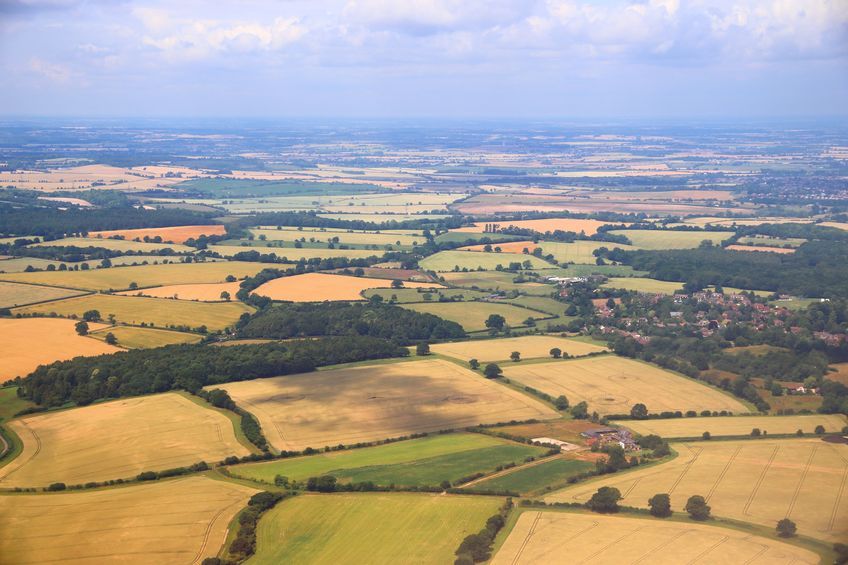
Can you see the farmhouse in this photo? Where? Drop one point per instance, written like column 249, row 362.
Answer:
column 604, row 436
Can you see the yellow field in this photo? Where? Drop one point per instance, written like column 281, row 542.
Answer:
column 27, row 343
column 472, row 315
column 671, row 239
column 589, row 227
column 83, row 177
column 318, row 287
column 293, row 254
column 15, row 294
column 118, row 439
column 761, row 249
column 208, row 292
column 142, row 275
column 132, row 337
column 170, row 522
column 579, row 252
column 376, row 402
column 612, row 385
column 736, row 425
column 637, row 284
column 759, row 481
column 500, row 349
column 115, row 244
column 133, row 310
column 178, row 234
column 570, row 537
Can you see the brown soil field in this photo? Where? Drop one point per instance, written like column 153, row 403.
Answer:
column 318, row 287
column 118, row 439
column 569, row 537
column 29, row 342
column 499, row 349
column 590, row 227
column 170, row 522
column 760, row 248
column 612, row 385
column 565, row 430
column 177, row 234
column 368, row 403
column 210, row 292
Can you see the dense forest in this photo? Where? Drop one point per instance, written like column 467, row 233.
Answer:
column 376, row 320
column 190, row 367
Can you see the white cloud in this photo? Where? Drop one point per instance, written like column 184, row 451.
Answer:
column 51, row 71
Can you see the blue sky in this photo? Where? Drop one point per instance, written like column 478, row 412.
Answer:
column 425, row 58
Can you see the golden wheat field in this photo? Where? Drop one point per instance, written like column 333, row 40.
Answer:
column 56, row 340
column 758, row 481
column 174, row 522
column 178, row 234
column 367, row 403
column 589, row 227
column 571, row 537
column 318, row 287
column 205, row 292
column 612, row 385
column 133, row 337
column 118, row 439
column 736, row 425
column 500, row 349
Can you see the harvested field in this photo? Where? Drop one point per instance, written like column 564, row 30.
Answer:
column 416, row 462
column 115, row 244
column 14, row 294
column 132, row 337
column 448, row 260
column 612, row 385
column 374, row 528
column 472, row 315
column 293, row 254
column 758, row 481
column 169, row 522
column 375, row 402
column 133, row 310
column 177, row 234
column 589, row 227
column 646, row 285
column 736, row 425
column 56, row 338
column 407, row 295
column 672, row 239
column 104, row 177
column 563, row 430
column 318, row 287
column 503, row 247
column 208, row 292
column 761, row 248
column 20, row 264
column 499, row 349
column 570, row 537
column 118, row 439
column 143, row 275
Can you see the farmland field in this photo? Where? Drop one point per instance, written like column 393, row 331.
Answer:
column 472, row 315
column 206, row 292
column 177, row 234
column 447, row 260
column 650, row 286
column 500, row 349
column 579, row 252
column 736, row 425
column 367, row 403
column 57, row 341
column 496, row 280
column 133, row 337
column 759, row 481
column 14, row 294
column 542, row 303
column 369, row 528
column 318, row 287
column 415, row 462
column 407, row 295
column 590, row 227
column 20, row 264
column 118, row 439
column 161, row 312
column 114, row 244
column 293, row 254
column 671, row 239
column 840, row 374
column 169, row 522
column 344, row 237
column 761, row 249
column 11, row 403
column 772, row 241
column 535, row 477
column 142, row 275
column 570, row 537
column 612, row 385
column 384, row 217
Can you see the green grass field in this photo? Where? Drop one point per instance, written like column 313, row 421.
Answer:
column 417, row 462
column 670, row 239
column 294, row 254
column 606, row 270
column 536, row 477
column 498, row 280
column 133, row 337
column 14, row 294
column 446, row 260
column 374, row 528
column 114, row 244
column 643, row 285
column 407, row 295
column 772, row 241
column 143, row 275
column 579, row 252
column 10, row 404
column 472, row 315
column 542, row 303
column 462, row 237
column 160, row 312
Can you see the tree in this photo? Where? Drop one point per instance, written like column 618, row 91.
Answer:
column 281, row 481
column 82, row 328
column 474, row 364
column 91, row 315
column 397, row 283
column 697, row 508
column 225, row 296
column 133, row 286
column 639, row 411
column 819, row 430
column 786, row 528
column 110, row 338
column 324, row 483
column 706, row 435
column 230, row 278
column 492, row 371
column 605, row 500
column 580, row 411
column 561, row 402
column 756, row 432
column 556, row 352
column 422, row 348
column 660, row 505
column 515, row 356
column 495, row 322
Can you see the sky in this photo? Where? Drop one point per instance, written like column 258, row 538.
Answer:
column 425, row 58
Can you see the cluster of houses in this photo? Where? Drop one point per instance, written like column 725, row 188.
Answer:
column 604, row 436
